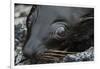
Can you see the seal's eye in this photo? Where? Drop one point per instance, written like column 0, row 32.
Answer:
column 60, row 31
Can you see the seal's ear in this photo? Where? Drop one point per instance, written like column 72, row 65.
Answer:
column 88, row 17
column 83, row 20
column 87, row 23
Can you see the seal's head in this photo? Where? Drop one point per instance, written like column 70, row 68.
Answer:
column 53, row 27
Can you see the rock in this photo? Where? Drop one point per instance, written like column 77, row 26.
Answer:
column 87, row 55
column 21, row 13
column 18, row 58
column 20, row 32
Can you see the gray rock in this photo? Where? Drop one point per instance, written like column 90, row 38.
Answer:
column 87, row 55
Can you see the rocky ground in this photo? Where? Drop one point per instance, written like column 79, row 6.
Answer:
column 21, row 12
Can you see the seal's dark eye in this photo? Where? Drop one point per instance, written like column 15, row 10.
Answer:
column 60, row 31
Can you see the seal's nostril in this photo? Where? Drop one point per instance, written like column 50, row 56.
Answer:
column 28, row 52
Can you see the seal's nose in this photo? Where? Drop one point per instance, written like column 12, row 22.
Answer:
column 32, row 47
column 27, row 52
